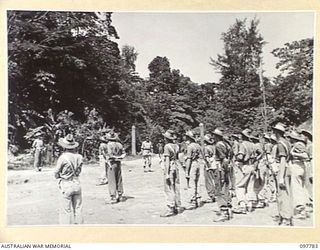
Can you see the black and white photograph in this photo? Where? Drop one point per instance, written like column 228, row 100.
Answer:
column 188, row 118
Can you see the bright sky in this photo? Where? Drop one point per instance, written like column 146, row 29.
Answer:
column 188, row 40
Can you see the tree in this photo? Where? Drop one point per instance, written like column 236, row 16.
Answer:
column 292, row 93
column 61, row 60
column 129, row 56
column 238, row 91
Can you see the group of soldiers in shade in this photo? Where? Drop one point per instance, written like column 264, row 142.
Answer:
column 252, row 171
column 243, row 167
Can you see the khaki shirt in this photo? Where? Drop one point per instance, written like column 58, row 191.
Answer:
column 193, row 151
column 103, row 149
column 38, row 144
column 221, row 151
column 68, row 165
column 246, row 149
column 267, row 148
column 146, row 148
column 235, row 148
column 171, row 150
column 282, row 150
column 300, row 148
column 209, row 151
column 114, row 149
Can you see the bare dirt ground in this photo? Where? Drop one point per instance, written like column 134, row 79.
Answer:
column 33, row 199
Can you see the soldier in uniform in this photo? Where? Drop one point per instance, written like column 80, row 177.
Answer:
column 160, row 148
column 223, row 181
column 260, row 173
column 284, row 196
column 38, row 149
column 68, row 169
column 270, row 185
column 102, row 160
column 171, row 175
column 147, row 150
column 193, row 169
column 309, row 173
column 210, row 167
column 115, row 153
column 297, row 173
column 182, row 158
column 236, row 140
column 244, row 177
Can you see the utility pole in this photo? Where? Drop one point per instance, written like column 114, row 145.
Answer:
column 133, row 140
column 264, row 109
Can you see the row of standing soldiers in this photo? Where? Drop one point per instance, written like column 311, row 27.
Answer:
column 253, row 170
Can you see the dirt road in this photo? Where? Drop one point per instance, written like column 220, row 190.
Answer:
column 33, row 199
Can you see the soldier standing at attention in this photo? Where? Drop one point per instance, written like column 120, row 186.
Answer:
column 309, row 167
column 270, row 185
column 68, row 169
column 210, row 167
column 103, row 148
column 235, row 149
column 243, row 174
column 182, row 158
column 115, row 153
column 193, row 169
column 38, row 148
column 223, row 180
column 171, row 175
column 260, row 173
column 160, row 148
column 297, row 173
column 284, row 197
column 147, row 150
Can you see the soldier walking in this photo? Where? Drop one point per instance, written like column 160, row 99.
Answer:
column 171, row 175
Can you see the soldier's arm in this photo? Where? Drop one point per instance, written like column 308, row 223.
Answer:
column 282, row 168
column 79, row 165
column 107, row 153
column 299, row 151
column 188, row 160
column 166, row 155
column 58, row 167
column 123, row 152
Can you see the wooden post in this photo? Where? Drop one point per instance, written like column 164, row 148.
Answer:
column 202, row 134
column 133, row 140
